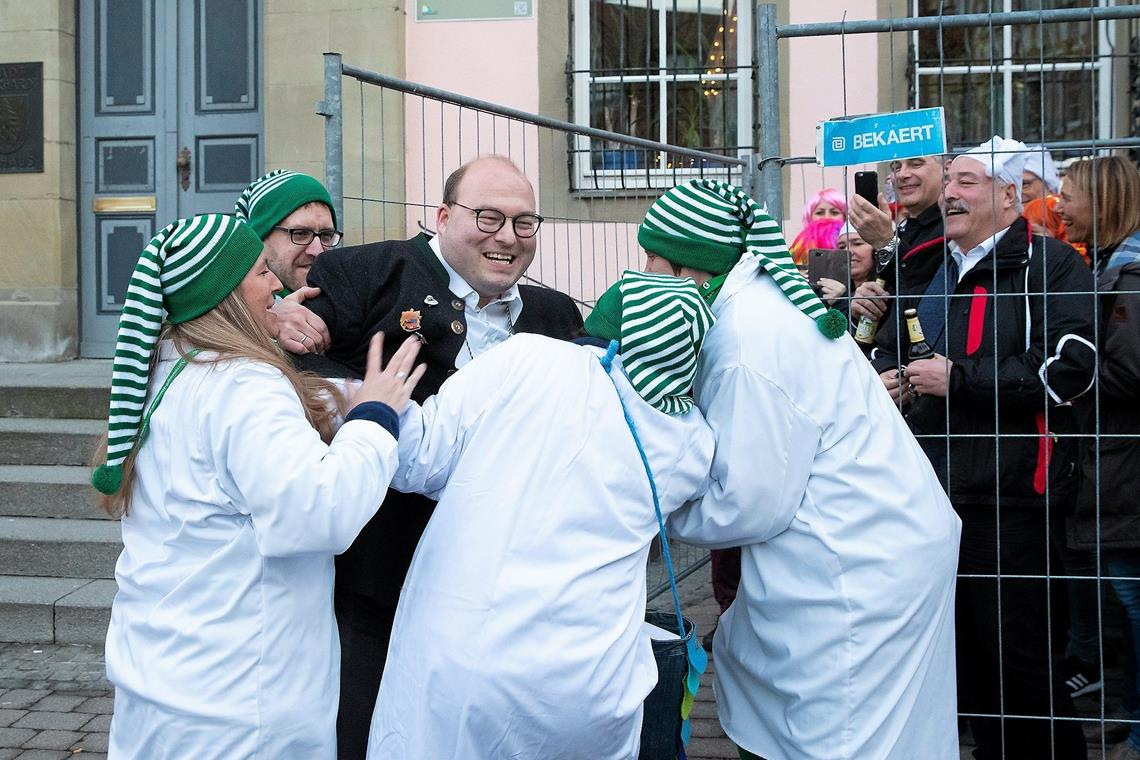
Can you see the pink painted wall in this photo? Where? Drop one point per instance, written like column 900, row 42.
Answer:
column 495, row 61
column 816, row 83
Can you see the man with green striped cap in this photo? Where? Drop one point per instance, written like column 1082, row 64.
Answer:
column 520, row 627
column 840, row 642
column 293, row 213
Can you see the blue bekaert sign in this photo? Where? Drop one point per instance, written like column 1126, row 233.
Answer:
column 880, row 137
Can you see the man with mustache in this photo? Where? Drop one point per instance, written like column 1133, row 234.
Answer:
column 458, row 291
column 1009, row 316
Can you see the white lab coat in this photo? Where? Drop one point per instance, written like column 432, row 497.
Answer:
column 519, row 630
column 840, row 644
column 222, row 641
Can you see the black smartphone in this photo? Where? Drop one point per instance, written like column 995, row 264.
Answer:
column 828, row 262
column 867, row 187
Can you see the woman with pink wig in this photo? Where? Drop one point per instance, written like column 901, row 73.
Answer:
column 824, row 214
column 828, row 203
column 819, row 233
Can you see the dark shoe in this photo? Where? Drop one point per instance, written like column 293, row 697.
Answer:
column 1080, row 677
column 707, row 639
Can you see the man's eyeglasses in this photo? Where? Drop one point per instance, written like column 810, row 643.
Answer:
column 303, row 236
column 492, row 220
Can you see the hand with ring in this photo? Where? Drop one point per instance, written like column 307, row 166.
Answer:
column 293, row 319
column 392, row 385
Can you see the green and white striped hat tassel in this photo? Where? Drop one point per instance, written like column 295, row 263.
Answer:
column 186, row 270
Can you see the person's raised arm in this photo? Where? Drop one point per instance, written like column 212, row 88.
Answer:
column 303, row 495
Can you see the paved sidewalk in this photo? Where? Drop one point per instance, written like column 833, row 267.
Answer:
column 55, row 702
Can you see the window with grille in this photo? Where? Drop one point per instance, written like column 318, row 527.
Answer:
column 674, row 71
column 1036, row 83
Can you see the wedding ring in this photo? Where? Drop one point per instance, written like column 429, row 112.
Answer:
column 401, row 375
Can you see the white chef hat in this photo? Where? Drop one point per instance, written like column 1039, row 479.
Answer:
column 1041, row 164
column 1003, row 160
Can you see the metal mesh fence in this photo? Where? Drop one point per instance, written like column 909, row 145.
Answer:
column 1047, row 569
column 1021, row 430
column 397, row 142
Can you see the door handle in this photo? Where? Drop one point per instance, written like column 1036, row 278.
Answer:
column 183, row 164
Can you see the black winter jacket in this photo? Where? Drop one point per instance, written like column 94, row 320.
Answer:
column 1118, row 395
column 1019, row 332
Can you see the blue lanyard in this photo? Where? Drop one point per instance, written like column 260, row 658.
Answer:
column 607, row 363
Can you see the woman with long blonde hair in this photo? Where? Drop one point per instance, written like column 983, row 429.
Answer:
column 1099, row 206
column 235, row 490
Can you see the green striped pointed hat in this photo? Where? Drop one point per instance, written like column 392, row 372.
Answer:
column 186, row 270
column 707, row 225
column 659, row 322
column 271, row 198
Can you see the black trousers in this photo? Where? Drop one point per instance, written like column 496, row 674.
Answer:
column 365, row 627
column 1021, row 679
column 724, row 565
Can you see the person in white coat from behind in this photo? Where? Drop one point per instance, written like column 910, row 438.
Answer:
column 222, row 642
column 840, row 644
column 520, row 627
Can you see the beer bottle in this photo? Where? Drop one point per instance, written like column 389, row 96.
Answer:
column 919, row 348
column 866, row 327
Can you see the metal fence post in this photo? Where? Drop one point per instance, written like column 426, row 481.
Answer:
column 768, row 186
column 331, row 109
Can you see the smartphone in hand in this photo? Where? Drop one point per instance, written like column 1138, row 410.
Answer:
column 867, row 187
column 830, row 263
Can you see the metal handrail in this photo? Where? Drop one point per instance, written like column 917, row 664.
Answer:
column 446, row 96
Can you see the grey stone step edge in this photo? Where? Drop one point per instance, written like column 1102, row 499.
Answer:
column 59, row 610
column 55, row 491
column 58, row 548
column 48, row 441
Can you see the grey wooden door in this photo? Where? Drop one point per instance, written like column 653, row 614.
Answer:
column 170, row 124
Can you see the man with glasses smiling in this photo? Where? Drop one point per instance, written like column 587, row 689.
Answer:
column 293, row 214
column 458, row 291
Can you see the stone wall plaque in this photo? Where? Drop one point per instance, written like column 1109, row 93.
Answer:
column 21, row 117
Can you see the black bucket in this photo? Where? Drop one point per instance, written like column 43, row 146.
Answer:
column 661, row 722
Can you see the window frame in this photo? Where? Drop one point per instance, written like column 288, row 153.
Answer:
column 1004, row 69
column 584, row 177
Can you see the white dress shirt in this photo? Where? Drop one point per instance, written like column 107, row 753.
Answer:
column 487, row 326
column 966, row 260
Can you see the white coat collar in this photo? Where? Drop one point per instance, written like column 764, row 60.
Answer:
column 743, row 272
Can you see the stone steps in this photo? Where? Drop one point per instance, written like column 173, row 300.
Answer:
column 57, row 548
column 48, row 491
column 44, row 547
column 48, row 441
column 60, row 610
column 66, row 390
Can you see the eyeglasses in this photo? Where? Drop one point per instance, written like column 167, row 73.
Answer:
column 303, row 236
column 492, row 220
